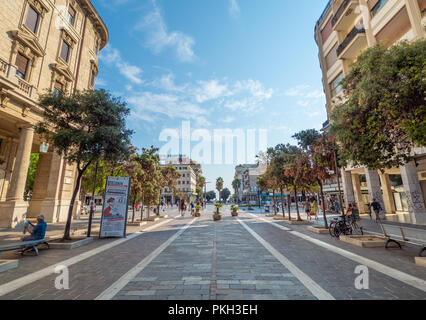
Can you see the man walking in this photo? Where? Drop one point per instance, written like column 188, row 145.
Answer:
column 376, row 207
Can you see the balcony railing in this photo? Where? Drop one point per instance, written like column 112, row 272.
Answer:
column 340, row 11
column 351, row 35
column 8, row 71
column 3, row 67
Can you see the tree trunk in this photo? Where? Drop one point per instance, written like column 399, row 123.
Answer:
column 297, row 205
column 282, row 202
column 143, row 205
column 71, row 208
column 83, row 196
column 323, row 204
column 134, row 203
column 289, row 206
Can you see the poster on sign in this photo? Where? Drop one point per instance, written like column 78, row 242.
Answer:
column 114, row 211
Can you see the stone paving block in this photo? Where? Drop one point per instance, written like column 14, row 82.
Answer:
column 141, row 293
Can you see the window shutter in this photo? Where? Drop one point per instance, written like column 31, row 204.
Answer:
column 65, row 51
column 22, row 65
column 32, row 19
column 71, row 15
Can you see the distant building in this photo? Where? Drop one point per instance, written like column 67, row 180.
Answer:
column 248, row 174
column 187, row 183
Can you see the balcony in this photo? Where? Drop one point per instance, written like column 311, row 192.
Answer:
column 354, row 43
column 8, row 74
column 345, row 15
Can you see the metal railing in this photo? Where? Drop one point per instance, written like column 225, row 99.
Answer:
column 351, row 35
column 340, row 11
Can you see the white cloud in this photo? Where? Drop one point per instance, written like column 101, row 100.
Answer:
column 303, row 103
column 210, row 90
column 101, row 82
column 159, row 38
column 169, row 105
column 167, row 82
column 234, row 9
column 112, row 56
column 303, row 92
column 228, row 119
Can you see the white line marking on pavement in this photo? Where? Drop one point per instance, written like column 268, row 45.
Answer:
column 21, row 282
column 109, row 293
column 310, row 284
column 391, row 272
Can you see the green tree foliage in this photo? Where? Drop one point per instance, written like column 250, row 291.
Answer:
column 225, row 193
column 32, row 170
column 83, row 127
column 236, row 184
column 384, row 115
column 210, row 195
column 219, row 185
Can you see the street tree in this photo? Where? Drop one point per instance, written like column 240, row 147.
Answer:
column 383, row 116
column 83, row 127
column 236, row 184
column 225, row 193
column 219, row 185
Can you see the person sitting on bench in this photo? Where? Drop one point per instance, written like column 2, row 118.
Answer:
column 38, row 231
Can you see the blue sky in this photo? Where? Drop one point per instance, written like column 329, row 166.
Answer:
column 222, row 64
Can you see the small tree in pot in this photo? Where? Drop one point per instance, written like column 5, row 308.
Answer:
column 197, row 211
column 234, row 210
column 217, row 216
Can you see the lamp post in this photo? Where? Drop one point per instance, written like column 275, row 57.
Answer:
column 205, row 192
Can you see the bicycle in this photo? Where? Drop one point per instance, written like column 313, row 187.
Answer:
column 347, row 226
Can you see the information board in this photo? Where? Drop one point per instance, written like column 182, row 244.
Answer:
column 115, row 208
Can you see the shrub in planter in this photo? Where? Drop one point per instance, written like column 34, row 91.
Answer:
column 234, row 211
column 197, row 211
column 250, row 208
column 217, row 216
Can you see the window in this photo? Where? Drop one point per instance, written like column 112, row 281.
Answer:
column 71, row 15
column 58, row 87
column 65, row 51
column 33, row 19
column 378, row 6
column 93, row 78
column 335, row 85
column 22, row 65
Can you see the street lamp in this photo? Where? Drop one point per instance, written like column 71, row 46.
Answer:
column 44, row 147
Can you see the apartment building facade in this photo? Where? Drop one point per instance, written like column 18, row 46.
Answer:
column 187, row 183
column 45, row 46
column 344, row 30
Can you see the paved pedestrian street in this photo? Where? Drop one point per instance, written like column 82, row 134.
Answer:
column 251, row 257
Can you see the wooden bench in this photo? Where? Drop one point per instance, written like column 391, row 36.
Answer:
column 25, row 246
column 395, row 233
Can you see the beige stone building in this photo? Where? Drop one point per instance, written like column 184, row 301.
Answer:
column 345, row 28
column 45, row 45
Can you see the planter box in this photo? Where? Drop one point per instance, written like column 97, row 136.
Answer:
column 217, row 217
column 163, row 216
column 155, row 218
column 298, row 223
column 234, row 214
column 76, row 243
column 197, row 214
column 136, row 224
column 8, row 264
column 251, row 209
column 318, row 230
column 364, row 241
column 420, row 261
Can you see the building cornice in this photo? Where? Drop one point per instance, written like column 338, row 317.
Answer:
column 99, row 23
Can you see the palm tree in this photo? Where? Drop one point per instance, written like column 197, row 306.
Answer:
column 219, row 185
column 236, row 184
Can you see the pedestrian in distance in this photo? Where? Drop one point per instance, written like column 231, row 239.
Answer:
column 315, row 209
column 308, row 209
column 376, row 208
